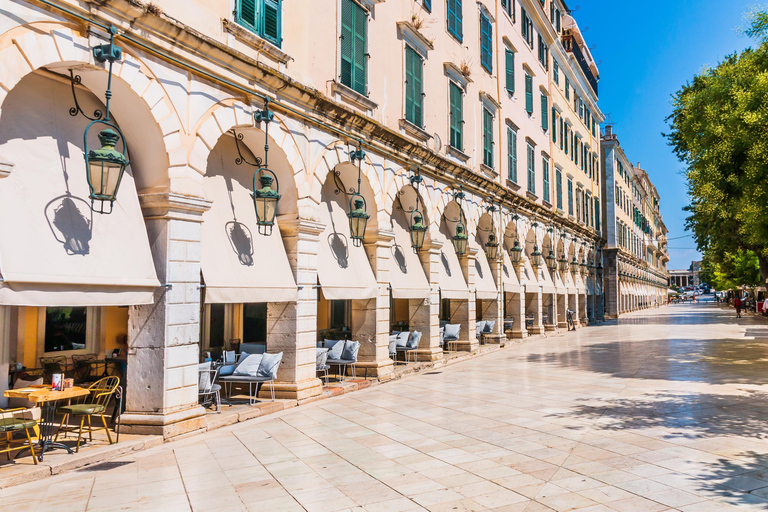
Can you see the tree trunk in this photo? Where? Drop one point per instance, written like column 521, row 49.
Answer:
column 763, row 260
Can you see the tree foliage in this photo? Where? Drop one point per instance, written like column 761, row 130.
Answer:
column 719, row 130
column 733, row 270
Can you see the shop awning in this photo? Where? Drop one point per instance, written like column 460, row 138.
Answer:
column 528, row 278
column 508, row 275
column 569, row 284
column 580, row 286
column 239, row 264
column 451, row 277
column 342, row 268
column 545, row 280
column 485, row 286
column 54, row 251
column 559, row 284
column 406, row 275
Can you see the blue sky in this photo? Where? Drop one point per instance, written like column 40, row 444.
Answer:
column 645, row 52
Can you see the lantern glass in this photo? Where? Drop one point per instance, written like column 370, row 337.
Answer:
column 105, row 167
column 563, row 263
column 536, row 256
column 265, row 200
column 551, row 261
column 460, row 240
column 358, row 219
column 418, row 230
column 515, row 253
column 492, row 248
column 574, row 265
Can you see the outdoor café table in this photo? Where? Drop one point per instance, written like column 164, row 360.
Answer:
column 46, row 398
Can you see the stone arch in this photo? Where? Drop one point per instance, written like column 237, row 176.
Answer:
column 484, row 226
column 140, row 103
column 452, row 213
column 399, row 183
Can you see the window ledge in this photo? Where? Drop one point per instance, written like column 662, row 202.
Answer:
column 254, row 41
column 414, row 130
column 359, row 100
column 531, row 195
column 412, row 35
column 489, row 171
column 514, row 186
column 457, row 153
column 546, row 203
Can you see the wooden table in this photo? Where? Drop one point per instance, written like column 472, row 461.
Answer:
column 46, row 398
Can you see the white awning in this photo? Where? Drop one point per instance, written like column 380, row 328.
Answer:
column 451, row 277
column 545, row 280
column 406, row 275
column 342, row 267
column 580, row 287
column 485, row 286
column 54, row 251
column 239, row 264
column 508, row 275
column 559, row 284
column 528, row 277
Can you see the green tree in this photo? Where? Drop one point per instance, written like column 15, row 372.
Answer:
column 719, row 130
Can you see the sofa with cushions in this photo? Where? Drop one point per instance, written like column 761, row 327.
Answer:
column 484, row 327
column 406, row 343
column 251, row 369
column 342, row 353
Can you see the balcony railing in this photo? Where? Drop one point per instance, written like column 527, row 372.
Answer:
column 572, row 46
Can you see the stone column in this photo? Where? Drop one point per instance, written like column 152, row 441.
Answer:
column 426, row 317
column 292, row 327
column 495, row 309
column 163, row 338
column 517, row 306
column 562, row 304
column 535, row 307
column 574, row 306
column 464, row 311
column 370, row 319
column 611, row 289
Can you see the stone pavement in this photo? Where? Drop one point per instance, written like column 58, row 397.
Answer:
column 662, row 410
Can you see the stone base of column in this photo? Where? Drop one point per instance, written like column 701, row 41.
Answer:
column 536, row 329
column 562, row 325
column 429, row 354
column 550, row 327
column 166, row 425
column 301, row 391
column 466, row 346
column 518, row 335
column 495, row 339
column 381, row 370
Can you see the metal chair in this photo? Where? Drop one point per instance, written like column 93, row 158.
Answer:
column 207, row 389
column 83, row 366
column 55, row 364
column 14, row 420
column 95, row 403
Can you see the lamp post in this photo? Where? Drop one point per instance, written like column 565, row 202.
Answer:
column 460, row 239
column 417, row 228
column 358, row 216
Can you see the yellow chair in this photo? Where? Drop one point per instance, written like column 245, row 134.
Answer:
column 95, row 403
column 14, row 420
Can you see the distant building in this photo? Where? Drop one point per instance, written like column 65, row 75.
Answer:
column 683, row 278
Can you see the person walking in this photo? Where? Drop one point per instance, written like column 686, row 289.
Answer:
column 737, row 305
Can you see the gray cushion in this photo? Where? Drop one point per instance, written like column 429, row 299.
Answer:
column 227, row 370
column 489, row 326
column 321, row 356
column 452, row 332
column 350, row 350
column 230, row 357
column 269, row 364
column 402, row 339
column 204, row 376
column 253, row 348
column 245, row 378
column 480, row 326
column 336, row 348
column 414, row 340
column 249, row 366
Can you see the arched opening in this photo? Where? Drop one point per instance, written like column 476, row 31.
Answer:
column 514, row 325
column 486, row 279
column 454, row 292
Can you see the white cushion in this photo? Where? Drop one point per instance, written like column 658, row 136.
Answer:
column 249, row 366
column 480, row 326
column 452, row 332
column 414, row 340
column 402, row 338
column 336, row 349
column 321, row 356
column 269, row 364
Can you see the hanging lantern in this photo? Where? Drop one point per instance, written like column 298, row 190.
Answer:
column 574, row 266
column 563, row 263
column 105, row 167
column 418, row 230
column 492, row 248
column 460, row 240
column 265, row 200
column 551, row 261
column 358, row 219
column 536, row 256
column 516, row 253
column 583, row 267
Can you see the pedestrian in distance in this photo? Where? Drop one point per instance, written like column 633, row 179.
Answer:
column 737, row 305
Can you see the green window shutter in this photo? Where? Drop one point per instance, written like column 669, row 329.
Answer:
column 272, row 21
column 487, row 138
column 512, row 154
column 559, row 188
column 554, row 125
column 361, row 49
column 456, row 115
column 455, row 19
column 246, row 13
column 414, row 99
column 486, row 44
column 561, row 133
column 528, row 93
column 409, row 83
column 567, row 89
column 544, row 113
column 556, row 71
column 509, row 59
column 428, row 5
column 545, row 178
column 570, row 197
column 524, row 23
column 531, row 170
column 354, row 30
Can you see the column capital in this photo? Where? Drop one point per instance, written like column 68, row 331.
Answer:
column 173, row 206
column 293, row 226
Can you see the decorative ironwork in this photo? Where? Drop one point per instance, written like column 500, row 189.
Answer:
column 75, row 80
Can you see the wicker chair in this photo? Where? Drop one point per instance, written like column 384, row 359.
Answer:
column 55, row 364
column 95, row 403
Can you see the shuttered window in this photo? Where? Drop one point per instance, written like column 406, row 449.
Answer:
column 570, row 196
column 544, row 112
column 554, row 125
column 414, row 97
column 559, row 188
column 456, row 116
column 512, row 154
column 556, row 71
column 531, row 169
column 545, row 178
column 428, row 5
column 455, row 19
column 486, row 43
column 509, row 60
column 487, row 138
column 354, row 41
column 262, row 17
column 528, row 93
column 567, row 89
